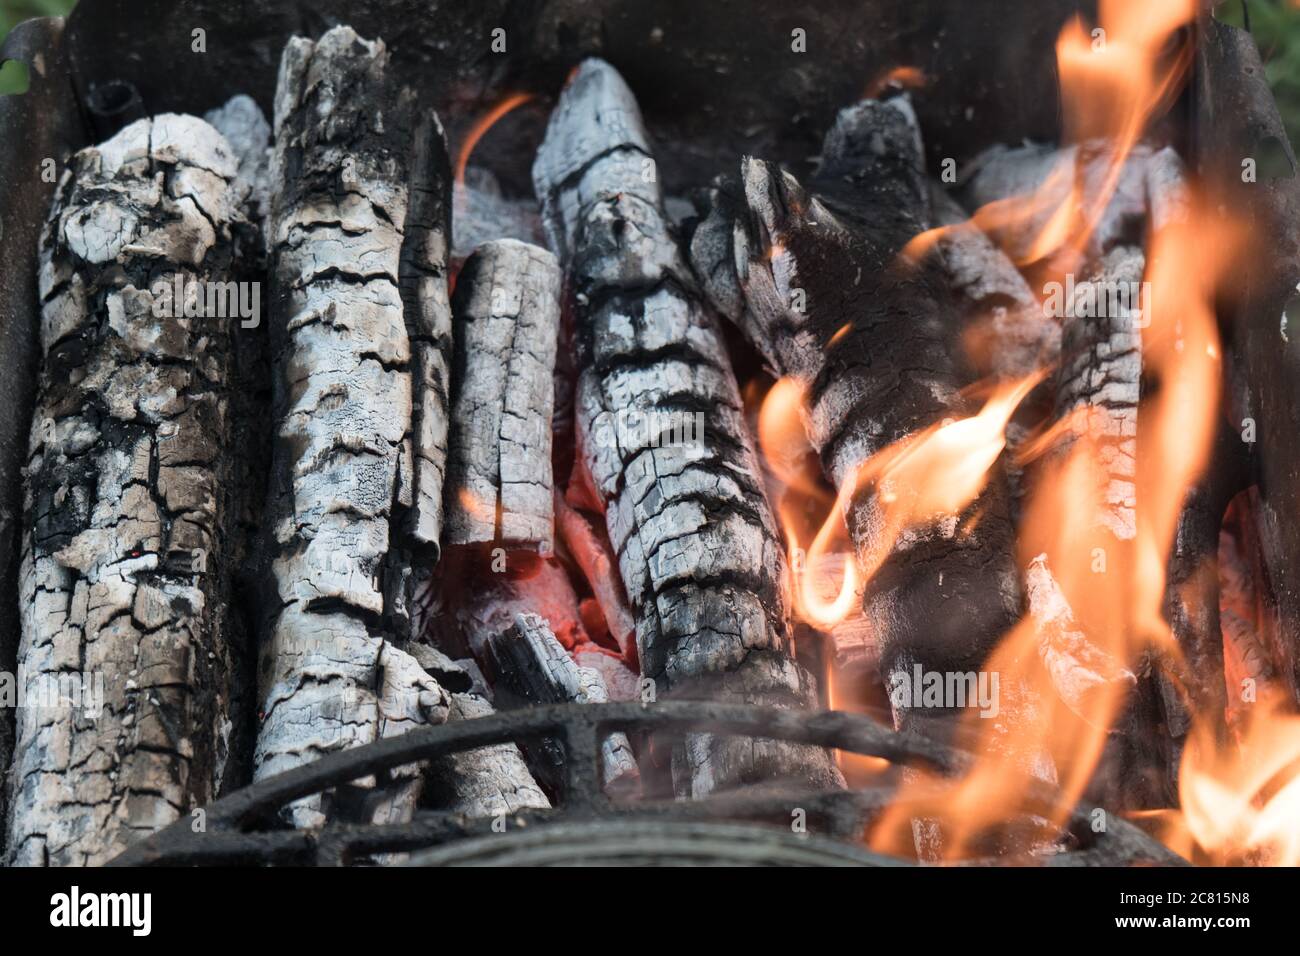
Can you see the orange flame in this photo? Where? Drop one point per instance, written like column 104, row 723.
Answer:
column 480, row 128
column 1109, row 588
column 1244, row 806
column 905, row 77
column 934, row 473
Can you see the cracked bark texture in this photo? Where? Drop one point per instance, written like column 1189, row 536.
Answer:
column 1101, row 374
column 486, row 782
column 529, row 667
column 1020, row 337
column 507, row 314
column 1149, row 192
column 134, row 483
column 813, row 278
column 685, row 508
column 359, row 325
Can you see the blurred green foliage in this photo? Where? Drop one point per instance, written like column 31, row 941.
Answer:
column 1275, row 24
column 12, row 12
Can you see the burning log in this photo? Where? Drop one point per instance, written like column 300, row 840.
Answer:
column 507, row 308
column 813, row 278
column 1101, row 373
column 134, row 493
column 1079, row 669
column 685, row 508
column 358, row 247
column 588, row 551
column 1149, row 192
column 529, row 667
column 1101, row 377
column 1020, row 337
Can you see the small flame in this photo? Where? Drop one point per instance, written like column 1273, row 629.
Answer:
column 934, row 473
column 901, row 77
column 1243, row 805
column 480, row 128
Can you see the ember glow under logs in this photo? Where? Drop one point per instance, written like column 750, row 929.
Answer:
column 607, row 438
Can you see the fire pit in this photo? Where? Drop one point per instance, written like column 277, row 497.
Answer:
column 585, row 434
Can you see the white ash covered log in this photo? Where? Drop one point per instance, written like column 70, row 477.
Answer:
column 662, row 434
column 485, row 782
column 528, row 667
column 1149, row 192
column 814, row 279
column 359, row 324
column 507, row 313
column 135, row 490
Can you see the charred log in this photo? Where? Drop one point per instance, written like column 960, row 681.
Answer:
column 813, row 278
column 530, row 667
column 359, row 324
column 499, row 488
column 1149, row 191
column 1006, row 327
column 685, row 508
column 135, row 491
column 486, row 782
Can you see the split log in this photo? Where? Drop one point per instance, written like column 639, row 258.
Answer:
column 507, row 313
column 530, row 667
column 360, row 322
column 813, row 278
column 685, row 507
column 133, row 497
